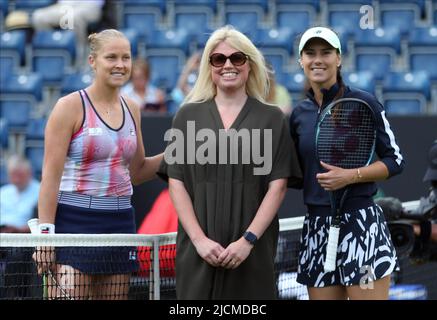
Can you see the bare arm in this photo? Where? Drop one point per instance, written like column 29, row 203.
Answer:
column 142, row 168
column 64, row 120
column 208, row 249
column 239, row 250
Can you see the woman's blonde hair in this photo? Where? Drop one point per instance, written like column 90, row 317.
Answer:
column 257, row 84
column 96, row 40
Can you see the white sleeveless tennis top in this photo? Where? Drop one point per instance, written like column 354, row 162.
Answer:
column 98, row 158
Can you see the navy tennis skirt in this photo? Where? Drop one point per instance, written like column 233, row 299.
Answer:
column 96, row 260
column 365, row 252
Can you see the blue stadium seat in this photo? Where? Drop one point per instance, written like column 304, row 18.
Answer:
column 27, row 84
column 297, row 15
column 423, row 37
column 53, row 54
column 195, row 23
column 204, row 5
column 176, row 39
column 345, row 15
column 416, row 5
column 30, row 5
column 143, row 15
column 34, row 147
column 35, row 129
column 19, row 95
column 140, row 4
column 378, row 63
column 402, row 105
column 196, row 16
column 387, row 39
column 276, row 59
column 422, row 50
column 364, row 80
column 3, row 174
column 4, row 10
column 133, row 36
column 404, row 20
column 406, row 92
column 252, row 5
column 36, row 158
column 166, row 52
column 4, row 133
column 13, row 46
column 276, row 45
column 376, row 50
column 245, row 15
column 408, row 82
column 143, row 22
column 435, row 15
column 75, row 81
column 165, row 69
column 309, row 5
column 297, row 21
column 246, row 22
column 348, row 20
column 293, row 81
column 424, row 62
column 7, row 67
column 281, row 38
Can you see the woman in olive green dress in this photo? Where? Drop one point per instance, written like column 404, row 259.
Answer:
column 229, row 159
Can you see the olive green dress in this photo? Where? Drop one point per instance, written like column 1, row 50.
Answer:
column 226, row 198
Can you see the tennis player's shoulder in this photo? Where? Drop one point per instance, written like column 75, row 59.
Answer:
column 132, row 106
column 70, row 106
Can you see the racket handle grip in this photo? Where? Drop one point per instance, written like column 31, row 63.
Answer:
column 331, row 249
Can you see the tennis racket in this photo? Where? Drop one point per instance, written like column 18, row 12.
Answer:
column 345, row 137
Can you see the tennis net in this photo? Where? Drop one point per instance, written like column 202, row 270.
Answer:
column 145, row 267
column 114, row 266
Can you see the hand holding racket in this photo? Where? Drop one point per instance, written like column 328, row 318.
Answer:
column 345, row 138
column 335, row 178
column 44, row 257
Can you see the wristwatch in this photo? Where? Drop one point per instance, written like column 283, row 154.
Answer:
column 250, row 237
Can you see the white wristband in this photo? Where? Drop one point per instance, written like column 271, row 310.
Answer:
column 46, row 228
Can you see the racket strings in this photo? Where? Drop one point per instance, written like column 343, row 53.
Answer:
column 346, row 135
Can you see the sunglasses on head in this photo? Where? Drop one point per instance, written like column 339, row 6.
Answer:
column 219, row 59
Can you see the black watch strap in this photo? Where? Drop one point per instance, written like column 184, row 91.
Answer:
column 250, row 237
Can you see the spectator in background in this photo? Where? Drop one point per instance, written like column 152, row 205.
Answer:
column 67, row 14
column 279, row 95
column 142, row 92
column 186, row 80
column 18, row 204
column 19, row 198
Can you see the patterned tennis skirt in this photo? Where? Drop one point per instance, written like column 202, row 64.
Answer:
column 365, row 252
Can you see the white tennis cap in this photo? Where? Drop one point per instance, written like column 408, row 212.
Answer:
column 320, row 32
